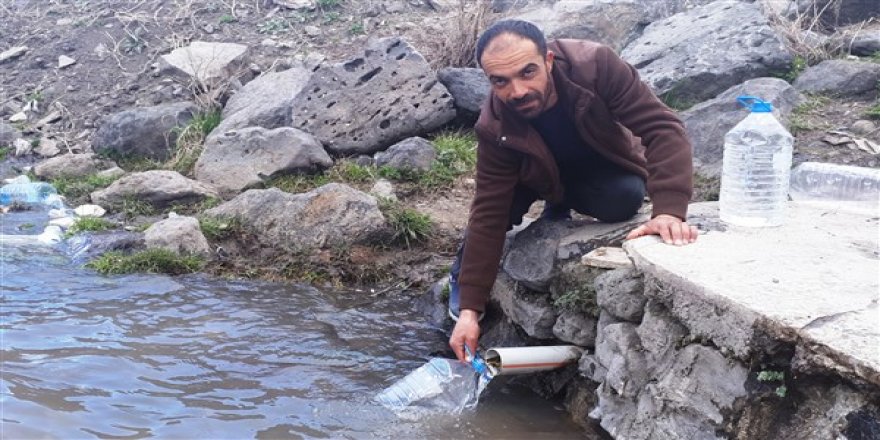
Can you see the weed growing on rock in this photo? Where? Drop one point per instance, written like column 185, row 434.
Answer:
column 133, row 207
column 873, row 112
column 79, row 188
column 149, row 261
column 356, row 29
column 407, row 224
column 219, row 228
column 226, row 19
column 190, row 141
column 774, row 376
column 578, row 300
column 456, row 155
column 4, row 150
column 89, row 224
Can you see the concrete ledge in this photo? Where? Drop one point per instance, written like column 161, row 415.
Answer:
column 812, row 282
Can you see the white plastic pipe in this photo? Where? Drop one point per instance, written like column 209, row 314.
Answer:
column 521, row 360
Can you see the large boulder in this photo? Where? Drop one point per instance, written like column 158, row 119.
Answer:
column 369, row 102
column 159, row 188
column 8, row 135
column 264, row 102
column 179, row 234
column 469, row 87
column 532, row 311
column 839, row 12
column 72, row 165
column 149, row 132
column 839, row 78
column 708, row 122
column 694, row 55
column 238, row 159
column 332, row 215
column 206, row 62
column 414, row 154
column 866, row 43
column 610, row 23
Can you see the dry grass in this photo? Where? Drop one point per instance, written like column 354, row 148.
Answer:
column 456, row 48
column 795, row 32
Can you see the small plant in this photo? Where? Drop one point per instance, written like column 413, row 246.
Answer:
column 190, row 141
column 356, row 29
column 872, row 112
column 774, row 376
column 36, row 95
column 89, row 224
column 133, row 207
column 406, row 224
column 798, row 65
column 297, row 183
column 26, row 226
column 331, row 17
column 676, row 102
column 133, row 43
column 350, row 172
column 579, row 299
column 219, row 228
column 4, row 151
column 226, row 19
column 80, row 187
column 273, row 26
column 35, row 143
column 150, row 261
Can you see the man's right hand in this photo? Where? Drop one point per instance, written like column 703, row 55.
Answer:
column 466, row 331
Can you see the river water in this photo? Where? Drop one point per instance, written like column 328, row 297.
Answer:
column 88, row 356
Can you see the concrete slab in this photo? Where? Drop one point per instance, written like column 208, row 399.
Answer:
column 814, row 281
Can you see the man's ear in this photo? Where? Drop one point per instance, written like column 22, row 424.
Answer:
column 548, row 61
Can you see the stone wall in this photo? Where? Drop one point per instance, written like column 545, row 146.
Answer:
column 674, row 354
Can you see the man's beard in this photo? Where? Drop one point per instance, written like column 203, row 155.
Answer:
column 529, row 106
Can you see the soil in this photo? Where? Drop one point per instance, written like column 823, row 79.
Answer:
column 116, row 46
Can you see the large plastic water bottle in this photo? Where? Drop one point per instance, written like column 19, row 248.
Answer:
column 439, row 386
column 755, row 169
column 843, row 185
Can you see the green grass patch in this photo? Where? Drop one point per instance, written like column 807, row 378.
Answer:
column 148, row 261
column 873, row 112
column 4, row 151
column 675, row 101
column 343, row 171
column 89, row 224
column 226, row 19
column 79, row 188
column 578, row 300
column 407, row 225
column 191, row 140
column 133, row 207
column 456, row 155
column 219, row 228
column 135, row 164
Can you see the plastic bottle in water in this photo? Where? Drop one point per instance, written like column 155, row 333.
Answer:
column 755, row 169
column 24, row 191
column 844, row 185
column 439, row 386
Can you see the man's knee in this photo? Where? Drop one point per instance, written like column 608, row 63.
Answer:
column 621, row 200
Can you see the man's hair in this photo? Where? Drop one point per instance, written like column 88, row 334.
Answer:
column 519, row 28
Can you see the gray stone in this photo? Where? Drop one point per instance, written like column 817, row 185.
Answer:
column 469, row 87
column 590, row 368
column 371, row 101
column 12, row 53
column 610, row 23
column 586, row 236
column 531, row 257
column 728, row 286
column 86, row 247
column 296, row 4
column 839, row 78
column 206, row 62
column 534, row 313
column 415, row 154
column 259, row 103
column 179, row 234
column 72, row 165
column 693, row 56
column 836, row 13
column 332, row 215
column 8, row 134
column 621, row 293
column 865, row 44
column 48, row 147
column 660, row 334
column 618, row 350
column 863, row 127
column 654, row 10
column 149, row 132
column 114, row 171
column 708, row 122
column 22, row 147
column 159, row 188
column 576, row 328
column 383, row 189
column 240, row 159
column 65, row 61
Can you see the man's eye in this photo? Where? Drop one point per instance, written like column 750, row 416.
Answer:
column 499, row 82
column 529, row 73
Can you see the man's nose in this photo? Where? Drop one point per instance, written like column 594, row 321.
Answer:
column 519, row 89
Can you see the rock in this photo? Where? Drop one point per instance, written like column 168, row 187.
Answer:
column 590, row 368
column 295, row 4
column 89, row 211
column 531, row 258
column 863, row 127
column 179, row 234
column 576, row 328
column 22, row 147
column 258, row 103
column 584, row 236
column 621, row 293
column 533, row 312
column 682, row 57
column 469, row 87
column 369, row 102
column 618, row 351
column 708, row 122
column 8, row 134
column 839, row 78
column 63, row 222
column 48, row 147
column 240, row 159
column 606, row 258
column 63, row 22
column 609, row 23
column 415, row 154
column 144, row 131
column 114, row 171
column 206, row 62
column 654, row 10
column 12, row 53
column 65, row 61
column 866, row 43
column 87, row 247
column 836, row 13
column 51, row 118
column 660, row 335
column 332, row 215
column 383, row 189
column 159, row 188
column 19, row 117
column 312, row 31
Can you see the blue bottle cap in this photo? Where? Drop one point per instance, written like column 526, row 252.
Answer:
column 755, row 104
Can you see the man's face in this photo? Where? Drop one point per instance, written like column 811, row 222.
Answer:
column 518, row 74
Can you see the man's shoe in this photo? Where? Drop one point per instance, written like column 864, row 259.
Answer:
column 555, row 212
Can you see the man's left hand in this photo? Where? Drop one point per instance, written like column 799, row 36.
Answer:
column 670, row 228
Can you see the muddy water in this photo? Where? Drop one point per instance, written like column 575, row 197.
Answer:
column 87, row 356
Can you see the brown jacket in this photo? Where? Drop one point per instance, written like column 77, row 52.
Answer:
column 614, row 112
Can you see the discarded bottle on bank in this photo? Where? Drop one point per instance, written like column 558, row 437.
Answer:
column 439, row 386
column 846, row 185
column 755, row 168
column 22, row 190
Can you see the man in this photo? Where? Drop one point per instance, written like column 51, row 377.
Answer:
column 571, row 123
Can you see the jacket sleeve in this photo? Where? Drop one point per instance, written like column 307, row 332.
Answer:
column 668, row 150
column 497, row 176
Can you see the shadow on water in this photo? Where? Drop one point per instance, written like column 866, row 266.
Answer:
column 87, row 356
